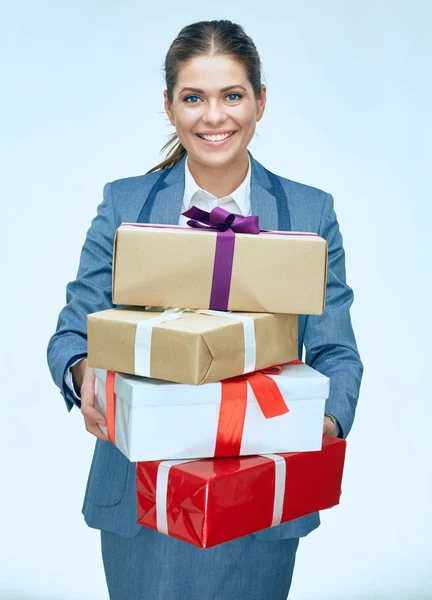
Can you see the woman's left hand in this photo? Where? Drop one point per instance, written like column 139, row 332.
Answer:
column 329, row 426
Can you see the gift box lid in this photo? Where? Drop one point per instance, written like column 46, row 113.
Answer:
column 296, row 382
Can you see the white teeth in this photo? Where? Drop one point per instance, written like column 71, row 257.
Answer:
column 215, row 138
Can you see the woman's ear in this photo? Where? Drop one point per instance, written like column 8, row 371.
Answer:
column 261, row 102
column 168, row 108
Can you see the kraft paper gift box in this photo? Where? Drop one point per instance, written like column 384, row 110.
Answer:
column 280, row 409
column 212, row 501
column 190, row 347
column 168, row 265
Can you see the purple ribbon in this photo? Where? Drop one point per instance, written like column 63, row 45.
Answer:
column 227, row 225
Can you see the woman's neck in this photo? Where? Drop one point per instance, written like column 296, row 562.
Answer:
column 222, row 181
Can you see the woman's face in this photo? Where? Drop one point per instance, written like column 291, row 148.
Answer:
column 213, row 96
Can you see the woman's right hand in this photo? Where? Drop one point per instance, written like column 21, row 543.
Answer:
column 84, row 377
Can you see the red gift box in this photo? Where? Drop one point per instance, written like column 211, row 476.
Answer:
column 210, row 501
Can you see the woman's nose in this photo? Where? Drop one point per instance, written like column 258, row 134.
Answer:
column 214, row 113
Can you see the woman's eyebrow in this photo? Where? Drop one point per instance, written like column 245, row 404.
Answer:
column 199, row 91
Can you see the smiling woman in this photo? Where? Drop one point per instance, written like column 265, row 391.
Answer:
column 217, row 122
column 214, row 98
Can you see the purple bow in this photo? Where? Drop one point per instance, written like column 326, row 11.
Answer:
column 227, row 225
column 221, row 220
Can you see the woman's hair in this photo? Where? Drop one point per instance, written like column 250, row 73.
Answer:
column 207, row 38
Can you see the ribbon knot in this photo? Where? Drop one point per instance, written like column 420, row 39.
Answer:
column 233, row 406
column 226, row 225
column 221, row 220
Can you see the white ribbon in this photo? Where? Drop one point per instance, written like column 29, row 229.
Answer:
column 144, row 331
column 279, row 489
column 161, row 492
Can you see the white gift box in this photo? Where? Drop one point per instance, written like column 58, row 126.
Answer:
column 156, row 420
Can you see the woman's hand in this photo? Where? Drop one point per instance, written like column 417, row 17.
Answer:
column 329, row 426
column 84, row 377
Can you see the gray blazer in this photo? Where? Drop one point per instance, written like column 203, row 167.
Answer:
column 110, row 502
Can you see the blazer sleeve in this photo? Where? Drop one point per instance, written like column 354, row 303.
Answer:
column 89, row 292
column 329, row 338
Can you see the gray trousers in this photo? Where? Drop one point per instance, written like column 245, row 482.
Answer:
column 153, row 566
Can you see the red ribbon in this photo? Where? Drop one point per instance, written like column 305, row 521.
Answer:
column 110, row 405
column 233, row 406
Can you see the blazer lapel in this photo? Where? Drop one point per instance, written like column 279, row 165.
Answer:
column 263, row 202
column 164, row 201
column 268, row 200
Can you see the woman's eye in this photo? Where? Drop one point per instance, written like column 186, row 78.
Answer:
column 235, row 94
column 232, row 94
column 187, row 97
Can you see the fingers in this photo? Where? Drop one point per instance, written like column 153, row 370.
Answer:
column 329, row 426
column 88, row 408
column 93, row 419
column 89, row 412
column 93, row 428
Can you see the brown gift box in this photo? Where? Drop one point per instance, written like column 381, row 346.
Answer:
column 272, row 272
column 194, row 349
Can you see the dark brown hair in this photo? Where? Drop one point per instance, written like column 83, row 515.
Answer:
column 207, row 38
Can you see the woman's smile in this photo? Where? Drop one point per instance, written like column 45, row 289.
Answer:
column 216, row 140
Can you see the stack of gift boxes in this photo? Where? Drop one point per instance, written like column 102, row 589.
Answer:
column 208, row 396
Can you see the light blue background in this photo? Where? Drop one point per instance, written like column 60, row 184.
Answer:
column 348, row 111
